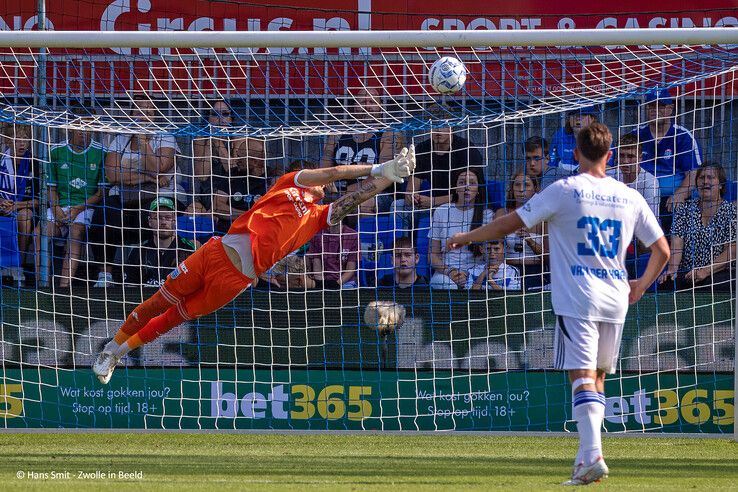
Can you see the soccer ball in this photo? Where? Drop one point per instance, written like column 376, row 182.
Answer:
column 447, row 74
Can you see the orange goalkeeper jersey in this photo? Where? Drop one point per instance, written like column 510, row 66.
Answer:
column 280, row 222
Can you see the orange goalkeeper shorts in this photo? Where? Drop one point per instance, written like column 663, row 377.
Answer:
column 204, row 282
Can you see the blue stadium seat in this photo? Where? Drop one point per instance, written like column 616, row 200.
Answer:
column 377, row 235
column 380, row 230
column 496, row 194
column 640, row 262
column 9, row 253
column 371, row 271
column 197, row 227
column 422, row 243
column 731, row 191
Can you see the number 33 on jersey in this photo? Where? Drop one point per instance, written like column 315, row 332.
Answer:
column 591, row 221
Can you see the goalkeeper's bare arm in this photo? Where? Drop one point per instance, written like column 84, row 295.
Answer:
column 280, row 222
column 391, row 172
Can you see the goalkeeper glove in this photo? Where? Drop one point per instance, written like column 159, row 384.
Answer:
column 398, row 168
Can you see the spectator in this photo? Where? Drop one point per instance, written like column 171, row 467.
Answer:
column 703, row 235
column 238, row 185
column 405, row 260
column 161, row 249
column 467, row 211
column 565, row 139
column 19, row 183
column 141, row 166
column 137, row 167
column 75, row 187
column 334, row 257
column 196, row 208
column 630, row 172
column 230, row 172
column 525, row 248
column 437, row 159
column 494, row 274
column 537, row 161
column 670, row 152
column 363, row 148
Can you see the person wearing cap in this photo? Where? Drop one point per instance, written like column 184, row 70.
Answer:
column 564, row 140
column 75, row 187
column 669, row 151
column 161, row 249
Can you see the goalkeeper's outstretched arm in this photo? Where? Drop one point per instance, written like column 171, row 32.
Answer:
column 394, row 170
column 348, row 202
column 387, row 173
column 497, row 229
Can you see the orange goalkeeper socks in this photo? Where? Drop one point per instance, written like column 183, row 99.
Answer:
column 154, row 328
column 139, row 317
column 120, row 337
column 158, row 326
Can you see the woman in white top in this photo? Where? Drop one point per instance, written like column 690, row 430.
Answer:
column 525, row 249
column 138, row 167
column 141, row 165
column 467, row 210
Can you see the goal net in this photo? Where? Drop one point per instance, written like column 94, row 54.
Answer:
column 120, row 157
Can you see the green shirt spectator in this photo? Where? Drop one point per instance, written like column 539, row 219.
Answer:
column 75, row 186
column 76, row 173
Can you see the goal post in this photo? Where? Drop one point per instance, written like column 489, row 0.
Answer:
column 368, row 39
column 224, row 113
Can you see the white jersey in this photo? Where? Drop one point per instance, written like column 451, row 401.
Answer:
column 591, row 221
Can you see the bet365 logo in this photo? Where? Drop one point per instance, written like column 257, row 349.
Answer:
column 11, row 406
column 299, row 402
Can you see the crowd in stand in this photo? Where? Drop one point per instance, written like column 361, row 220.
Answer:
column 121, row 208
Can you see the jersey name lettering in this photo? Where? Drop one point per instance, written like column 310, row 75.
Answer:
column 293, row 195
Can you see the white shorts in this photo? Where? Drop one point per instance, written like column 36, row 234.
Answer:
column 584, row 344
column 84, row 217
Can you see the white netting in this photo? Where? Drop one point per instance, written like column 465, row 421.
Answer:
column 205, row 132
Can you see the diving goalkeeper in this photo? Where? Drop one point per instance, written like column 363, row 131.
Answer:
column 281, row 221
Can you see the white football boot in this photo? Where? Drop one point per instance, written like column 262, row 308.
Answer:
column 583, row 475
column 105, row 365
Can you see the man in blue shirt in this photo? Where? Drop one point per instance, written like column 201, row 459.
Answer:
column 669, row 151
column 19, row 183
column 565, row 139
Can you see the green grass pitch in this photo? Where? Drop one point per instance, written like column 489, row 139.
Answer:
column 353, row 462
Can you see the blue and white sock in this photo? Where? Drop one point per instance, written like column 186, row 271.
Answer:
column 604, row 404
column 589, row 411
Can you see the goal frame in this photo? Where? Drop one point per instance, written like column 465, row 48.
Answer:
column 45, row 39
column 367, row 39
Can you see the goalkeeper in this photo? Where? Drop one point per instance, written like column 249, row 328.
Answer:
column 281, row 221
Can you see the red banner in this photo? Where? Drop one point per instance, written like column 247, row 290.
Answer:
column 198, row 15
column 326, row 15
